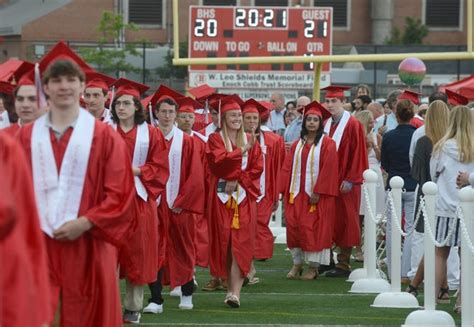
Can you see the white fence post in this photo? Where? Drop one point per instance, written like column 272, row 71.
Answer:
column 466, row 197
column 370, row 282
column 429, row 316
column 396, row 298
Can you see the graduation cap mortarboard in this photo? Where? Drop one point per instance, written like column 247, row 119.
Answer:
column 202, row 92
column 252, row 105
column 125, row 86
column 410, row 95
column 62, row 52
column 98, row 80
column 164, row 92
column 456, row 99
column 315, row 108
column 6, row 88
column 25, row 74
column 187, row 105
column 335, row 91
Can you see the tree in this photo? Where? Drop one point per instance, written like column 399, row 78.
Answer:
column 414, row 33
column 169, row 70
column 112, row 60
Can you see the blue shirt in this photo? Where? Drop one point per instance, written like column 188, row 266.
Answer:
column 395, row 155
column 293, row 131
column 391, row 122
column 276, row 121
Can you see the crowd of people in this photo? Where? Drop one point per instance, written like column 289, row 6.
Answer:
column 102, row 182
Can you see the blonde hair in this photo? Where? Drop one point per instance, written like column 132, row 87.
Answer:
column 436, row 121
column 365, row 117
column 240, row 134
column 461, row 129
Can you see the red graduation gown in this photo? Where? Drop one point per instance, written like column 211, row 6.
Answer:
column 139, row 256
column 201, row 240
column 352, row 155
column 11, row 130
column 24, row 282
column 179, row 229
column 228, row 166
column 83, row 272
column 274, row 158
column 312, row 231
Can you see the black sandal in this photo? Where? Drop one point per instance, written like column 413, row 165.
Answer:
column 442, row 292
column 412, row 290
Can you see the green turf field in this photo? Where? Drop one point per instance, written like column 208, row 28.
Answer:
column 278, row 301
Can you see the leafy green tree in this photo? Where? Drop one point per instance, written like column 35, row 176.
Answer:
column 414, row 32
column 169, row 70
column 112, row 60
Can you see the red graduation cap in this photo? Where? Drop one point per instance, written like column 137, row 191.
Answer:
column 125, row 86
column 25, row 74
column 456, row 99
column 267, row 104
column 214, row 100
column 335, row 91
column 315, row 108
column 164, row 92
column 6, row 88
column 202, row 92
column 187, row 105
column 230, row 102
column 252, row 105
column 410, row 95
column 98, row 80
column 62, row 52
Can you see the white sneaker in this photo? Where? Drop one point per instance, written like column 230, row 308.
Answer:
column 153, row 308
column 186, row 302
column 176, row 291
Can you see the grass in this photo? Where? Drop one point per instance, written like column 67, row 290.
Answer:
column 278, row 301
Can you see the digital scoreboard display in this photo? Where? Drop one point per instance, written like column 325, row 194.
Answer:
column 258, row 32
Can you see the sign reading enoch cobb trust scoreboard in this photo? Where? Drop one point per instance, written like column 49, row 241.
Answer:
column 258, row 32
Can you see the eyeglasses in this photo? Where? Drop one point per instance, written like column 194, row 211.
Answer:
column 123, row 103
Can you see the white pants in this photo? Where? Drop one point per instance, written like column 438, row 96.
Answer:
column 408, row 207
column 417, row 252
column 314, row 258
column 133, row 300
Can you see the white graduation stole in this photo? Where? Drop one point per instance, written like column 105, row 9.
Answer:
column 4, row 119
column 241, row 194
column 107, row 117
column 199, row 135
column 140, row 153
column 211, row 128
column 262, row 177
column 339, row 129
column 312, row 168
column 174, row 159
column 59, row 196
column 265, row 128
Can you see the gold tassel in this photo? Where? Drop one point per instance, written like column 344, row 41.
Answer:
column 235, row 221
column 292, row 198
column 312, row 208
column 228, row 204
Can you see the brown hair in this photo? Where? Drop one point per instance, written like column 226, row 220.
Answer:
column 63, row 68
column 405, row 111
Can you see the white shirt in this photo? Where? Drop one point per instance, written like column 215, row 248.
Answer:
column 444, row 169
column 418, row 134
column 276, row 121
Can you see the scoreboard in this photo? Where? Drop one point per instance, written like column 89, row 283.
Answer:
column 258, row 32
